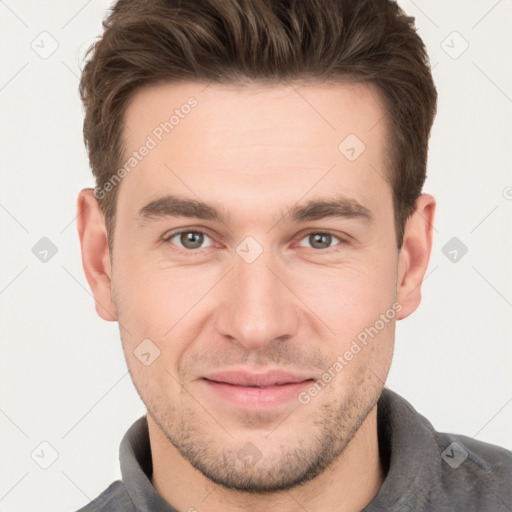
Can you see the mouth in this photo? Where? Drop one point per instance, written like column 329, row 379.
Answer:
column 250, row 391
column 259, row 380
column 250, row 386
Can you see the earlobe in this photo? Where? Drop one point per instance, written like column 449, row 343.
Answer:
column 415, row 254
column 95, row 253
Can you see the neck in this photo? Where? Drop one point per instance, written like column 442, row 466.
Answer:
column 348, row 485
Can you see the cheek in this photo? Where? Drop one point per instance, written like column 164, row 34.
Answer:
column 146, row 305
column 358, row 303
column 149, row 307
column 350, row 298
column 163, row 305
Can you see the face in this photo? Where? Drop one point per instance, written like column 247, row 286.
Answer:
column 254, row 273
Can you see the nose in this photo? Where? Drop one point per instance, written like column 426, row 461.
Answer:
column 257, row 307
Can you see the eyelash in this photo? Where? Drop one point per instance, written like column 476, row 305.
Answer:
column 193, row 252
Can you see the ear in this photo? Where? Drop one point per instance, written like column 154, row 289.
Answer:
column 95, row 253
column 415, row 254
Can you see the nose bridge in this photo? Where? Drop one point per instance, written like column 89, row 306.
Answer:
column 257, row 307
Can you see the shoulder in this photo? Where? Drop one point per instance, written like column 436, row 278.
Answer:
column 475, row 472
column 113, row 499
column 438, row 471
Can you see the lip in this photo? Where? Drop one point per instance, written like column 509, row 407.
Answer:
column 262, row 380
column 253, row 391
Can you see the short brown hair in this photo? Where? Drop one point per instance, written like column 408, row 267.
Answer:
column 147, row 42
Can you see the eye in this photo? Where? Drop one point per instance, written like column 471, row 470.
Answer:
column 189, row 240
column 320, row 240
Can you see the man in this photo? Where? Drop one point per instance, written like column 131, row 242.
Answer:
column 257, row 228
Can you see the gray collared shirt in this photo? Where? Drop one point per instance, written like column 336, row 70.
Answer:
column 426, row 470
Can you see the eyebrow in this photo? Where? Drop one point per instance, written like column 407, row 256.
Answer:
column 333, row 207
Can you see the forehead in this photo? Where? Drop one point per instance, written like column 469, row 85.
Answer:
column 254, row 144
column 255, row 109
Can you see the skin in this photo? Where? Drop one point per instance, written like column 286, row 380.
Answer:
column 256, row 152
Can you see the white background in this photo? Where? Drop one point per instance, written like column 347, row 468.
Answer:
column 63, row 378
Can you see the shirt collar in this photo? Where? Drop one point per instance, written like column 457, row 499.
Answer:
column 137, row 469
column 407, row 439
